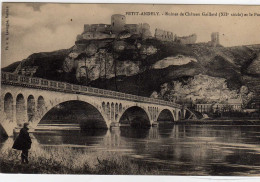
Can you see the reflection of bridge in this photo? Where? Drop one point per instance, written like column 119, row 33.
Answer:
column 29, row 99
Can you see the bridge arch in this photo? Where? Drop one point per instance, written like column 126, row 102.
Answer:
column 20, row 109
column 166, row 115
column 135, row 116
column 93, row 117
column 8, row 106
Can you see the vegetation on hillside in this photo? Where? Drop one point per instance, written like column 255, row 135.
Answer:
column 126, row 65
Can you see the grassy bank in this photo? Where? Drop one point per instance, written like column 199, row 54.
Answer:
column 64, row 160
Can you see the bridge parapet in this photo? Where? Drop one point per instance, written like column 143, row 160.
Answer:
column 40, row 83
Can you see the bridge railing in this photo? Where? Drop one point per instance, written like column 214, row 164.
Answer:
column 15, row 79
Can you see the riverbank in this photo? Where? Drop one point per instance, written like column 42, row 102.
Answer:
column 222, row 121
column 71, row 161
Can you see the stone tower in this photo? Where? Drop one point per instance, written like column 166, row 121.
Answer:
column 118, row 23
column 214, row 39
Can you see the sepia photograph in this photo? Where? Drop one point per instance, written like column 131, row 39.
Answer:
column 130, row 89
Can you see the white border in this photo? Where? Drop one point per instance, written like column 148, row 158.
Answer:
column 128, row 178
column 225, row 2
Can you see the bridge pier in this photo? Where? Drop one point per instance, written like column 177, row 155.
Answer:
column 155, row 123
column 114, row 124
column 183, row 113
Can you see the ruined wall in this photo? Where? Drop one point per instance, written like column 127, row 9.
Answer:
column 118, row 25
column 142, row 29
column 132, row 28
column 96, row 28
column 145, row 30
column 214, row 39
column 163, row 35
column 96, row 35
column 191, row 39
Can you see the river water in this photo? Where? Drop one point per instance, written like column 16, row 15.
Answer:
column 177, row 149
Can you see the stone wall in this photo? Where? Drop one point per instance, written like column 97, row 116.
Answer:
column 118, row 25
column 191, row 39
column 214, row 39
column 132, row 28
column 163, row 35
column 96, row 35
column 145, row 30
column 97, row 28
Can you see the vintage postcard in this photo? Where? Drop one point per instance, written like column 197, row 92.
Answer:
column 130, row 89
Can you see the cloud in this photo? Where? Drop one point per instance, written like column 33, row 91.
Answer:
column 49, row 28
column 35, row 6
column 40, row 27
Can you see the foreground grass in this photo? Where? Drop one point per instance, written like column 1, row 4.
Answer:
column 71, row 161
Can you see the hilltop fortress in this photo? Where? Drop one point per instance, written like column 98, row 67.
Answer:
column 119, row 29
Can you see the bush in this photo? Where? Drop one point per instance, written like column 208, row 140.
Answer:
column 66, row 160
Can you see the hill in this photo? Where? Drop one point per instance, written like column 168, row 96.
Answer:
column 141, row 67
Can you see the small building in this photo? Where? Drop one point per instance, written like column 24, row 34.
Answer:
column 203, row 108
column 231, row 105
column 28, row 71
column 236, row 104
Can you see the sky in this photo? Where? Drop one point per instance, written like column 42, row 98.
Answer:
column 44, row 27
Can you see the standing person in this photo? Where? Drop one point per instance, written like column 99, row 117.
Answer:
column 23, row 142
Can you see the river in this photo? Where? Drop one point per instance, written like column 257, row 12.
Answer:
column 177, row 149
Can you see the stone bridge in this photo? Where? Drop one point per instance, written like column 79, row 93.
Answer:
column 28, row 99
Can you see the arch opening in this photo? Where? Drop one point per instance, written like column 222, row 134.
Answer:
column 20, row 110
column 40, row 104
column 8, row 106
column 116, row 111
column 112, row 111
column 75, row 113
column 120, row 108
column 165, row 116
column 103, row 106
column 30, row 108
column 135, row 117
column 108, row 110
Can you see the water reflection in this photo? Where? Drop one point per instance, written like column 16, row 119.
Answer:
column 165, row 129
column 176, row 149
column 74, row 137
column 134, row 132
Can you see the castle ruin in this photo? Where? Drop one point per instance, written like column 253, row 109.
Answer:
column 118, row 25
column 163, row 35
column 119, row 29
column 191, row 39
column 214, row 42
column 214, row 39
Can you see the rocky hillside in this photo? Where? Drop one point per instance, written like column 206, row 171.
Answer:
column 136, row 66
